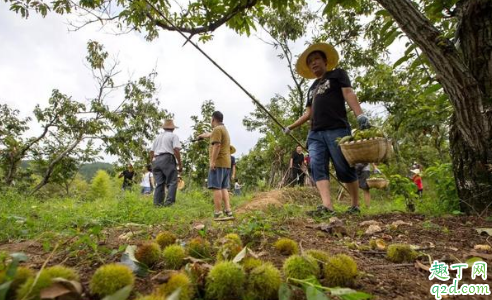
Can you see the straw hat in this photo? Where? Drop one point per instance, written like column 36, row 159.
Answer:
column 331, row 57
column 169, row 124
column 415, row 171
column 232, row 149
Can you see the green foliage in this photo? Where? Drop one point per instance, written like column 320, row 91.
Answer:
column 340, row 270
column 300, row 267
column 199, row 248
column 225, row 281
column 148, row 253
column 165, row 238
column 88, row 171
column 177, row 280
column 108, row 279
column 286, row 246
column 70, row 129
column 444, row 185
column 100, row 185
column 173, row 256
column 195, row 158
column 25, row 217
column 399, row 253
column 263, row 282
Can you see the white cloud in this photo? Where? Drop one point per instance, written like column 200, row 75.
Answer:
column 38, row 55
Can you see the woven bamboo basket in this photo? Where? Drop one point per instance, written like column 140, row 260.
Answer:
column 373, row 150
column 377, row 183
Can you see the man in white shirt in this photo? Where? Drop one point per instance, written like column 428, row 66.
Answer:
column 166, row 163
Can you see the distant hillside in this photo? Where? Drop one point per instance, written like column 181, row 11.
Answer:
column 89, row 170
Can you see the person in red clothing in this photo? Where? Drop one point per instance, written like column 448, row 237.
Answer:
column 418, row 181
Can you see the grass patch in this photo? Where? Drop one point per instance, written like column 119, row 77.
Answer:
column 24, row 217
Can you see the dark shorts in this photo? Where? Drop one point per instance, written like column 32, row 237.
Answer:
column 218, row 179
column 322, row 146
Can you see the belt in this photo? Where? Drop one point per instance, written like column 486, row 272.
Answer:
column 162, row 154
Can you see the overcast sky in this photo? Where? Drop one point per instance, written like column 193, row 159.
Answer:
column 38, row 55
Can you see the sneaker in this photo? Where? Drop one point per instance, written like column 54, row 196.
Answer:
column 228, row 213
column 321, row 212
column 353, row 210
column 218, row 215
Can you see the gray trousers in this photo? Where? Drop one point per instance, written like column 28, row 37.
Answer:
column 165, row 176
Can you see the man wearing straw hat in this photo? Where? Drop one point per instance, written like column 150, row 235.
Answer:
column 326, row 109
column 166, row 163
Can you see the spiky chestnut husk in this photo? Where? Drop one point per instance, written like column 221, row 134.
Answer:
column 320, row 256
column 300, row 267
column 31, row 288
column 340, row 270
column 62, row 272
column 165, row 238
column 21, row 276
column 110, row 278
column 148, row 253
column 173, row 256
column 286, row 246
column 399, row 253
column 264, row 282
column 234, row 238
column 151, row 297
column 225, row 281
column 249, row 263
column 199, row 248
column 177, row 280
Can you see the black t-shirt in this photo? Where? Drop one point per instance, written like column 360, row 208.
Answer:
column 233, row 161
column 297, row 159
column 328, row 105
column 128, row 177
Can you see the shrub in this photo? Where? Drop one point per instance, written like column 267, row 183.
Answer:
column 100, row 185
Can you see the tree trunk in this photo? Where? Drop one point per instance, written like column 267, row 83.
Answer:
column 467, row 79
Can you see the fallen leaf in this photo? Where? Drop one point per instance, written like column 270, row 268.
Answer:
column 420, row 265
column 62, row 289
column 387, row 237
column 482, row 255
column 483, row 248
column 481, row 231
column 400, row 223
column 370, row 222
column 380, row 244
column 373, row 229
column 199, row 227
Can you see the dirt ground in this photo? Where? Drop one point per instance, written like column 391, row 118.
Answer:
column 447, row 239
